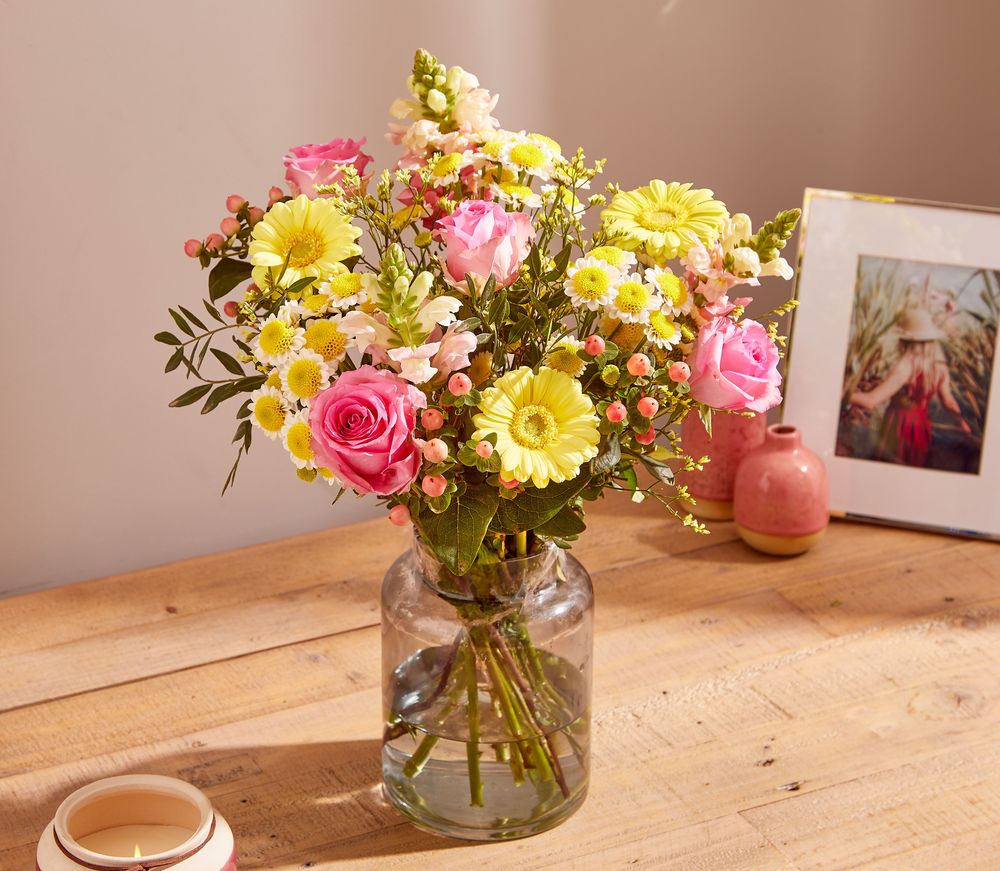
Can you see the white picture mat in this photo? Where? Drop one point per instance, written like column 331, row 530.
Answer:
column 839, row 228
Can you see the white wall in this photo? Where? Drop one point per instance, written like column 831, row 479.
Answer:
column 126, row 124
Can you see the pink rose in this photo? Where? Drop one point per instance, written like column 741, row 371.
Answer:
column 482, row 239
column 309, row 165
column 362, row 430
column 735, row 367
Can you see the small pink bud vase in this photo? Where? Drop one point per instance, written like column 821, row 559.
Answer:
column 733, row 437
column 781, row 495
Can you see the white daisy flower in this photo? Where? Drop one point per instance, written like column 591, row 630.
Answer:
column 305, row 374
column 634, row 301
column 591, row 283
column 662, row 331
column 516, row 194
column 346, row 290
column 296, row 436
column 268, row 410
column 278, row 340
column 530, row 155
column 676, row 296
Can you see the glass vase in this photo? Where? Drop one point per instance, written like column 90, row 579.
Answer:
column 486, row 686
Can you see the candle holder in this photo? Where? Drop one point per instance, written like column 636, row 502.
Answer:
column 137, row 822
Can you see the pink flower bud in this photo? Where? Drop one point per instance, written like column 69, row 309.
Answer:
column 594, row 345
column 639, row 365
column 435, row 451
column 434, row 485
column 229, row 226
column 647, row 437
column 648, row 406
column 274, row 194
column 679, row 371
column 616, row 412
column 254, row 216
column 214, row 242
column 231, row 308
column 234, row 202
column 192, row 248
column 459, row 384
column 399, row 515
column 431, row 419
column 509, row 485
column 484, row 449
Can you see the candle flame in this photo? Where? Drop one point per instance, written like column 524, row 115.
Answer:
column 137, row 853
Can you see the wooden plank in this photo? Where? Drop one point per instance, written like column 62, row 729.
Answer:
column 890, row 815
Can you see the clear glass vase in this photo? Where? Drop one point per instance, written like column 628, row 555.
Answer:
column 486, row 687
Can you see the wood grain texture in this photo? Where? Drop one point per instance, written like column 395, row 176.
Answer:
column 837, row 710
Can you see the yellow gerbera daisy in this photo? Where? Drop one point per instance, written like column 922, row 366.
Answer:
column 544, row 424
column 312, row 235
column 662, row 220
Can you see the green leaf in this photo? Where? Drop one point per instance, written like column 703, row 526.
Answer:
column 167, row 338
column 608, row 458
column 534, row 262
column 566, row 524
column 246, row 385
column 174, row 361
column 220, row 394
column 191, row 396
column 192, row 318
column 300, row 285
column 560, row 263
column 183, row 324
column 244, row 411
column 241, row 431
column 456, row 534
column 230, row 363
column 225, row 275
column 535, row 506
column 213, row 311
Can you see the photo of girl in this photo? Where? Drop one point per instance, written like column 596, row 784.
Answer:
column 919, row 364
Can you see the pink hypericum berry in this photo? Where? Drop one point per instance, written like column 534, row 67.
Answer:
column 509, row 485
column 459, row 384
column 431, row 419
column 679, row 371
column 434, row 485
column 229, row 226
column 231, row 308
column 435, row 451
column 646, row 438
column 399, row 515
column 616, row 412
column 234, row 202
column 594, row 345
column 648, row 406
column 254, row 216
column 274, row 194
column 639, row 365
column 214, row 242
column 192, row 248
column 484, row 449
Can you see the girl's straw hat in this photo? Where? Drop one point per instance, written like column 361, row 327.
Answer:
column 917, row 325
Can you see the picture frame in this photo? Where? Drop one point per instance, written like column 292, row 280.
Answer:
column 891, row 373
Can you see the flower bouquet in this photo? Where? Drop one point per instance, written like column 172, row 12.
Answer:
column 485, row 367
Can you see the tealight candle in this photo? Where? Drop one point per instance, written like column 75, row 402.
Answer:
column 137, row 822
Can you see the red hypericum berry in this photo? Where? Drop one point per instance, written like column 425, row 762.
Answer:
column 231, row 309
column 594, row 345
column 254, row 216
column 484, row 449
column 435, row 451
column 679, row 371
column 193, row 248
column 399, row 515
column 617, row 412
column 509, row 485
column 639, row 365
column 274, row 194
column 229, row 226
column 647, row 437
column 647, row 406
column 214, row 242
column 234, row 202
column 431, row 419
column 434, row 485
column 459, row 384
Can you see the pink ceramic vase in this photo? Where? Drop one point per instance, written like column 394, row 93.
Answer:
column 733, row 437
column 781, row 497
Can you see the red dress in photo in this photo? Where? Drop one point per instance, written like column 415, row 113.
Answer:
column 906, row 428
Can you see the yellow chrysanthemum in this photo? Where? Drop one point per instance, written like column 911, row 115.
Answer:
column 662, row 220
column 544, row 424
column 268, row 411
column 312, row 235
column 326, row 339
column 305, row 375
column 617, row 257
column 626, row 336
column 297, row 437
column 563, row 357
column 673, row 289
column 663, row 331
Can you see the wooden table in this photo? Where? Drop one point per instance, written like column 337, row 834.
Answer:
column 836, row 710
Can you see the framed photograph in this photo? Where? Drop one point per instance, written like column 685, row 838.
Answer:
column 891, row 374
